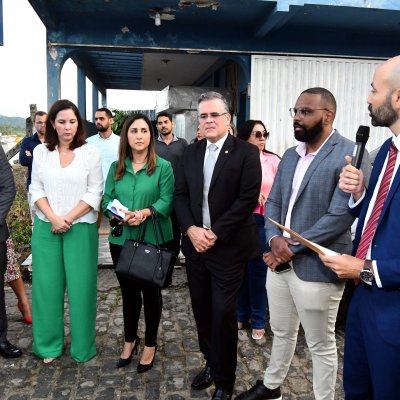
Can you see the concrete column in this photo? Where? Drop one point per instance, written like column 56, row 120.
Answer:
column 95, row 101
column 81, row 82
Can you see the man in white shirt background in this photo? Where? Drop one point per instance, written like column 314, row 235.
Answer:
column 106, row 142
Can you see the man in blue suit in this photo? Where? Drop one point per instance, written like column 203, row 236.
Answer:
column 372, row 343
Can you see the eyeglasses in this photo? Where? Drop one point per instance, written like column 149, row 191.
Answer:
column 305, row 112
column 259, row 134
column 204, row 117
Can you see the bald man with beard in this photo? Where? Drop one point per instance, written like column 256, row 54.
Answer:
column 372, row 342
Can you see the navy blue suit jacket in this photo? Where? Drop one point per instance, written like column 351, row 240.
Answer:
column 386, row 251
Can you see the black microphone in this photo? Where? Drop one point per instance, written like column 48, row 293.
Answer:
column 362, row 137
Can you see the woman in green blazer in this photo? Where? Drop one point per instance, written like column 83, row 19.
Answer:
column 138, row 179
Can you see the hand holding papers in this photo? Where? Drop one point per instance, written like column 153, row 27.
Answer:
column 311, row 245
column 115, row 208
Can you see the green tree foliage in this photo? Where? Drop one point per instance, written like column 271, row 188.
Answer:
column 119, row 119
column 6, row 129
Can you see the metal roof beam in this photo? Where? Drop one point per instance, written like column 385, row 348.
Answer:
column 45, row 13
column 83, row 62
column 275, row 20
column 284, row 5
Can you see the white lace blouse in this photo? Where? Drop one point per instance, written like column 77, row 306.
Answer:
column 64, row 187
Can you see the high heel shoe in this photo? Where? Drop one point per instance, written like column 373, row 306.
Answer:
column 123, row 362
column 145, row 367
column 27, row 320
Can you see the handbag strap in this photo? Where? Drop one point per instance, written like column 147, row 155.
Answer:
column 156, row 223
column 141, row 231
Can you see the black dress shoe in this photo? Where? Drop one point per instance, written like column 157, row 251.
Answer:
column 7, row 350
column 222, row 394
column 260, row 392
column 203, row 379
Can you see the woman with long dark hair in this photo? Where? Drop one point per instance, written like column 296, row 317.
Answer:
column 66, row 190
column 252, row 303
column 138, row 179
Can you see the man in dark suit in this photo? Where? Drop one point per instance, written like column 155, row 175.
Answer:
column 372, row 342
column 214, row 206
column 7, row 194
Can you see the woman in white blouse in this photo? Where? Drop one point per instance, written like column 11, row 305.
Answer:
column 66, row 190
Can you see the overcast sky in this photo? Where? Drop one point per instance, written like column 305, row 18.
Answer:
column 23, row 68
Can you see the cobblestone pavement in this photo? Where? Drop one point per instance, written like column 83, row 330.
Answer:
column 177, row 361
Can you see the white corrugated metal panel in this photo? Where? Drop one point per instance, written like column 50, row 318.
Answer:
column 277, row 81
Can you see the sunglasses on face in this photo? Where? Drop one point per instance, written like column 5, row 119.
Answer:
column 259, row 134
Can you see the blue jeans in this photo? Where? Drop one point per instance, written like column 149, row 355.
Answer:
column 252, row 303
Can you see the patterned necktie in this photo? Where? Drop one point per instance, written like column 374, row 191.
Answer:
column 207, row 173
column 370, row 227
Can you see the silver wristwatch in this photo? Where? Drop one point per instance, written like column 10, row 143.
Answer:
column 367, row 273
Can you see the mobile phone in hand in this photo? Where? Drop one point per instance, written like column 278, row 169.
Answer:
column 281, row 268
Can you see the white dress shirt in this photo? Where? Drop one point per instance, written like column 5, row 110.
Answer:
column 108, row 149
column 219, row 145
column 65, row 187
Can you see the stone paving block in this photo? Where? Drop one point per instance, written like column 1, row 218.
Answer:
column 128, row 397
column 152, row 391
column 62, row 393
column 106, row 394
column 174, row 397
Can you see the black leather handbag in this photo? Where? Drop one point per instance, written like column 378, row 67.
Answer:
column 144, row 262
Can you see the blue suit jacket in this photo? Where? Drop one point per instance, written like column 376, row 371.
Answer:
column 386, row 251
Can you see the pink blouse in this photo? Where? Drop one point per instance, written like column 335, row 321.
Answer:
column 269, row 166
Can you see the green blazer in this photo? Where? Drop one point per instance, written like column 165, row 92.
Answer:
column 138, row 191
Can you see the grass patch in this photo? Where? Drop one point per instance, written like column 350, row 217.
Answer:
column 19, row 218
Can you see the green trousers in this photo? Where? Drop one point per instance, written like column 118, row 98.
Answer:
column 64, row 261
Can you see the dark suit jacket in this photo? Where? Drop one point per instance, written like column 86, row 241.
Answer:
column 233, row 195
column 386, row 251
column 7, row 193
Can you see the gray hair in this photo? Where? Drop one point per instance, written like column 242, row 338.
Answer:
column 211, row 96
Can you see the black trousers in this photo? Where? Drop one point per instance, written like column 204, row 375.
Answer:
column 3, row 315
column 132, row 301
column 175, row 243
column 214, row 290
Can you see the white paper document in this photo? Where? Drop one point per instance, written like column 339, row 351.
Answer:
column 115, row 206
column 311, row 245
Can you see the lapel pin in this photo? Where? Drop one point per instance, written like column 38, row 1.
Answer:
column 226, row 151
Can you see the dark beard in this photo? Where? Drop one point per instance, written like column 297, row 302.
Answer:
column 101, row 128
column 384, row 115
column 308, row 135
